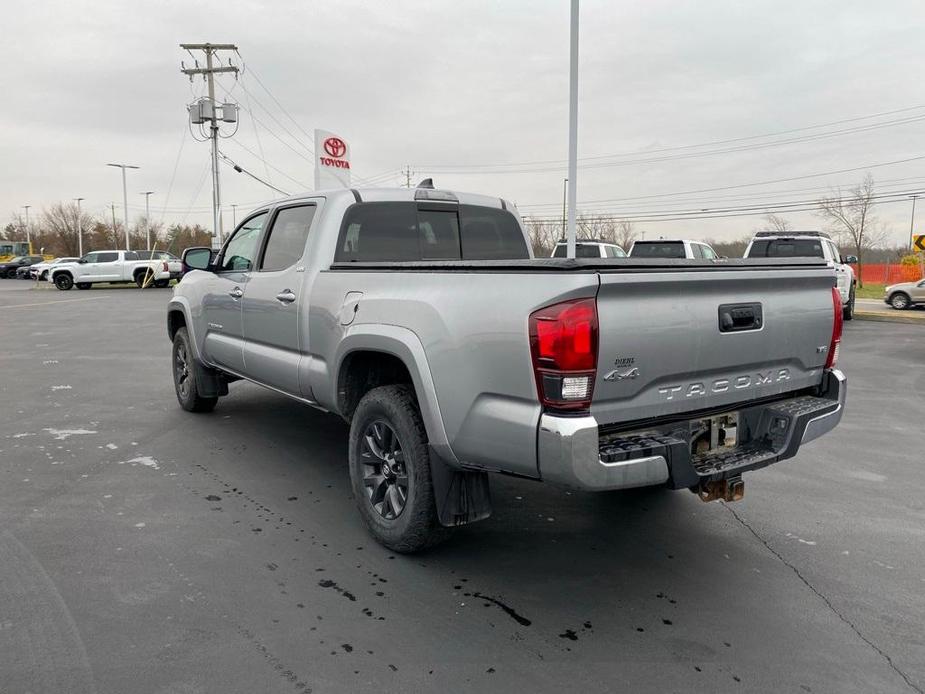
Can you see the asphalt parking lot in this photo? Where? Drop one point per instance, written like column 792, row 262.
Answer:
column 145, row 549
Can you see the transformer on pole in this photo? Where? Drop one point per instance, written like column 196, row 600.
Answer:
column 208, row 111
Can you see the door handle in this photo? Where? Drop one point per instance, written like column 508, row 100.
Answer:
column 286, row 296
column 236, row 293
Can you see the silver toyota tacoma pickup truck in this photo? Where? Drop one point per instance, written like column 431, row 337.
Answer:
column 421, row 318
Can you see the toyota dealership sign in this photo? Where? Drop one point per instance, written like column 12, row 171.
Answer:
column 332, row 161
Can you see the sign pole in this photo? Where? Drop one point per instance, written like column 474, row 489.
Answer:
column 572, row 129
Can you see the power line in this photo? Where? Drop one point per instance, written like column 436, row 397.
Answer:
column 278, row 170
column 647, row 152
column 240, row 169
column 721, row 213
column 752, row 184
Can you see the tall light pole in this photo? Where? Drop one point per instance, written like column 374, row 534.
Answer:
column 80, row 233
column 234, row 216
column 148, row 194
column 912, row 224
column 572, row 128
column 28, row 235
column 124, row 197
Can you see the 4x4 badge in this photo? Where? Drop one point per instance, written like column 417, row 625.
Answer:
column 617, row 375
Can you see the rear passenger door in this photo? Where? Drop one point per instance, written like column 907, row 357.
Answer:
column 108, row 267
column 274, row 307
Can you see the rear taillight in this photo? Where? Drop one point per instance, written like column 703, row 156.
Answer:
column 835, row 343
column 563, row 344
column 166, row 267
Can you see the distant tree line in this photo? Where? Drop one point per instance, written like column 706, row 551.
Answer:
column 54, row 232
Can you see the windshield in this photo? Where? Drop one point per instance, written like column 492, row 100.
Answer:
column 786, row 248
column 657, row 249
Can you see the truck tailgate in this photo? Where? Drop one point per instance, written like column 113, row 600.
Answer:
column 667, row 346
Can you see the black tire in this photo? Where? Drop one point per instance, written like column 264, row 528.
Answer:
column 184, row 376
column 404, row 456
column 83, row 285
column 43, row 275
column 64, row 281
column 161, row 284
column 900, row 301
column 140, row 278
column 848, row 311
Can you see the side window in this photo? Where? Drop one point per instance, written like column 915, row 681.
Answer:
column 490, row 234
column 90, row 257
column 836, row 256
column 697, row 250
column 132, row 255
column 109, row 257
column 241, row 251
column 708, row 253
column 287, row 237
column 439, row 230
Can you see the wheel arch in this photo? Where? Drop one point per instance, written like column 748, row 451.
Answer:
column 374, row 355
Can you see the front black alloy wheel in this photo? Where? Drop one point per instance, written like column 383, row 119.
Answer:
column 390, row 470
column 184, row 376
column 64, row 281
column 385, row 479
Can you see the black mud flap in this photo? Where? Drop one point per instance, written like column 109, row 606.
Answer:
column 209, row 382
column 462, row 496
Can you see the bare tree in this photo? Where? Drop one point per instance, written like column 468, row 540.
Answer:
column 59, row 226
column 774, row 222
column 851, row 219
column 625, row 234
column 543, row 235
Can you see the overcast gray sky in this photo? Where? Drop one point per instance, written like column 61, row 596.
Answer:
column 471, row 92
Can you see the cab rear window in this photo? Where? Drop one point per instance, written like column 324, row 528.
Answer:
column 403, row 231
column 658, row 249
column 786, row 248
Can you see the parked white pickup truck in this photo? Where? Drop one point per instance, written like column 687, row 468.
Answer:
column 114, row 267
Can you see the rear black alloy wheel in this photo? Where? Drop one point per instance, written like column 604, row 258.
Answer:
column 848, row 311
column 384, row 476
column 390, row 470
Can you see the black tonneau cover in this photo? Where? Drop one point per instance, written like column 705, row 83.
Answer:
column 603, row 265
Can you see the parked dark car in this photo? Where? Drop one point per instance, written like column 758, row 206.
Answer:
column 9, row 268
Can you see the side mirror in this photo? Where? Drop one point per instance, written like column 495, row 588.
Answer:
column 82, row 261
column 851, row 259
column 197, row 258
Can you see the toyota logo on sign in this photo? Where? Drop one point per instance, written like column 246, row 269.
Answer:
column 335, row 147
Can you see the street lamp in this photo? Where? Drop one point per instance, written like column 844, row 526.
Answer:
column 125, row 196
column 28, row 236
column 80, row 234
column 148, row 194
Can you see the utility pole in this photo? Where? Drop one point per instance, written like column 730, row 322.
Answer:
column 209, row 71
column 80, row 233
column 124, row 199
column 148, row 194
column 113, row 205
column 572, row 128
column 912, row 225
column 408, row 174
column 564, row 189
column 28, row 234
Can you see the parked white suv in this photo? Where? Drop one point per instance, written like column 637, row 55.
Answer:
column 672, row 248
column 809, row 244
column 110, row 266
column 588, row 248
